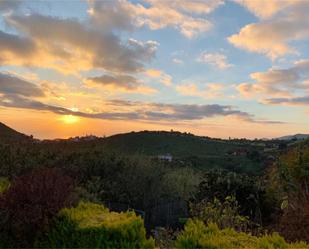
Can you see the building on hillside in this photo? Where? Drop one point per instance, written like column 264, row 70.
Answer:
column 240, row 152
column 166, row 157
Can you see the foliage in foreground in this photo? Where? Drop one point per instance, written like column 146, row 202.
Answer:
column 224, row 214
column 248, row 191
column 197, row 235
column 30, row 204
column 289, row 178
column 91, row 225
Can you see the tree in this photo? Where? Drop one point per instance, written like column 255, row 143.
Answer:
column 225, row 214
column 248, row 192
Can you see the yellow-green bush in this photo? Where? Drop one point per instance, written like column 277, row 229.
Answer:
column 197, row 235
column 91, row 225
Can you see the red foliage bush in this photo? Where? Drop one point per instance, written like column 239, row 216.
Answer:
column 294, row 224
column 33, row 200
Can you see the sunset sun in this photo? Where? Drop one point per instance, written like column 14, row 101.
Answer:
column 70, row 119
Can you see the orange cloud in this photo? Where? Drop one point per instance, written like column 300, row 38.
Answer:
column 272, row 37
column 212, row 90
column 215, row 59
column 262, row 38
column 265, row 8
column 162, row 76
column 278, row 82
column 68, row 48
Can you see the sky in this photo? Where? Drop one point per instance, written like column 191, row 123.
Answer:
column 219, row 68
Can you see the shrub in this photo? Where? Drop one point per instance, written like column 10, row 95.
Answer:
column 30, row 203
column 197, row 235
column 164, row 237
column 247, row 190
column 224, row 214
column 91, row 225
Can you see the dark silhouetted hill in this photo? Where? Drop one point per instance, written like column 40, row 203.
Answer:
column 9, row 135
column 162, row 142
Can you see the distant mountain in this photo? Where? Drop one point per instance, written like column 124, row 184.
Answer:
column 8, row 135
column 294, row 137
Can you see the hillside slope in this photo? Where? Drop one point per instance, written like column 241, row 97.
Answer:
column 185, row 148
column 9, row 135
column 178, row 144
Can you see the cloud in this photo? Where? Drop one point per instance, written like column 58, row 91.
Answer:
column 14, row 46
column 112, row 14
column 118, row 82
column 177, row 61
column 156, row 14
column 9, row 5
column 215, row 59
column 193, row 112
column 123, row 81
column 278, row 82
column 143, row 111
column 11, row 85
column 247, row 89
column 288, row 101
column 265, row 8
column 72, row 46
column 272, row 37
column 264, row 38
column 163, row 77
column 186, row 112
column 196, row 7
column 212, row 90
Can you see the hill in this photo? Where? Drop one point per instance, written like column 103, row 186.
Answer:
column 153, row 143
column 9, row 135
column 184, row 148
column 294, row 137
column 188, row 149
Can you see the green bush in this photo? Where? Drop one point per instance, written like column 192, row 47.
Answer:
column 197, row 235
column 91, row 225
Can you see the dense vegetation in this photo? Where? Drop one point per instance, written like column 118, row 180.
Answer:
column 93, row 226
column 30, row 204
column 197, row 235
column 56, row 193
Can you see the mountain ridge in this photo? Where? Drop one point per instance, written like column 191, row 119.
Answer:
column 297, row 136
column 8, row 135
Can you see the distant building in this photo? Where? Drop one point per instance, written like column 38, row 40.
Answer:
column 166, row 157
column 239, row 152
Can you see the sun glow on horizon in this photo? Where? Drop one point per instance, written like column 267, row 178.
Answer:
column 70, row 119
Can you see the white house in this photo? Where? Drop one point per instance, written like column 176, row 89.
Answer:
column 166, row 157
